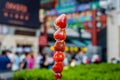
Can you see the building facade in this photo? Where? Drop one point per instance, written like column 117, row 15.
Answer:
column 113, row 35
column 13, row 37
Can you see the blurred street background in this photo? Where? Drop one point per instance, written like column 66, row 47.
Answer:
column 27, row 28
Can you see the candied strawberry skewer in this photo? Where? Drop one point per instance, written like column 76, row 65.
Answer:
column 59, row 46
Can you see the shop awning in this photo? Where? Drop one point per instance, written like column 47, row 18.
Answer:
column 70, row 45
column 87, row 42
column 78, row 43
column 67, row 44
column 74, row 43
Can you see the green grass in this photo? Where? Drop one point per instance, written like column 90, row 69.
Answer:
column 82, row 72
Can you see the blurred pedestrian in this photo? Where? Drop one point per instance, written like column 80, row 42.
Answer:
column 79, row 57
column 73, row 61
column 5, row 63
column 95, row 58
column 30, row 60
column 15, row 60
column 22, row 56
column 85, row 59
column 44, row 61
column 37, row 60
column 114, row 60
column 66, row 61
column 50, row 62
column 23, row 61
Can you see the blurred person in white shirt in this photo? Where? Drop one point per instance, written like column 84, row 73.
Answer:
column 95, row 58
column 79, row 57
column 14, row 60
column 85, row 60
column 37, row 60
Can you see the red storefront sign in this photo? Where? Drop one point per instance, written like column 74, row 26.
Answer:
column 43, row 40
